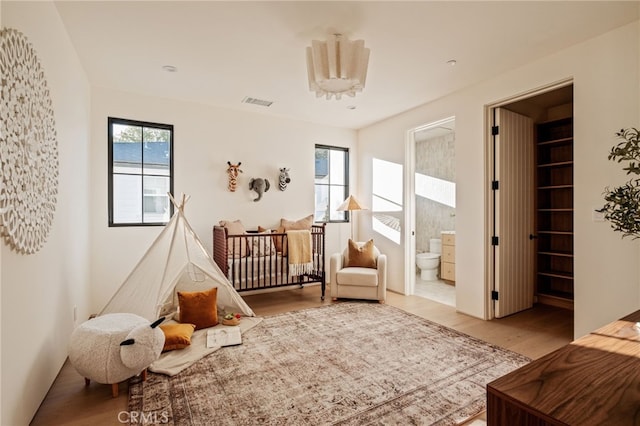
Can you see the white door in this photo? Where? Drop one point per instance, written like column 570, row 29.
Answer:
column 512, row 242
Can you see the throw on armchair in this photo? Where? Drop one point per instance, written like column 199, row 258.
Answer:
column 359, row 272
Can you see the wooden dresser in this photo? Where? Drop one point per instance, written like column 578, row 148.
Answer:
column 594, row 380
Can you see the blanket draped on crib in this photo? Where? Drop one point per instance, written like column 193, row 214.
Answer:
column 299, row 252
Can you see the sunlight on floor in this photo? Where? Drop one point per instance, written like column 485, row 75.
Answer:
column 438, row 291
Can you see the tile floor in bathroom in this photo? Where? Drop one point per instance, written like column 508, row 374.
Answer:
column 438, row 291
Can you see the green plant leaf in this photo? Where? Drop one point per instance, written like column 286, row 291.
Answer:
column 622, row 207
column 627, row 150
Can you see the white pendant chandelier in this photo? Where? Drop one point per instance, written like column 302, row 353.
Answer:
column 337, row 66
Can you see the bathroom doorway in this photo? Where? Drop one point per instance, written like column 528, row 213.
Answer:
column 433, row 200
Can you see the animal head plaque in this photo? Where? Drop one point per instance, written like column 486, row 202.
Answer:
column 259, row 185
column 233, row 171
column 283, row 179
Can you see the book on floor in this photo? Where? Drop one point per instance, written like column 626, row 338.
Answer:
column 226, row 336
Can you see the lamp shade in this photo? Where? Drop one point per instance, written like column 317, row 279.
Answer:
column 337, row 66
column 350, row 204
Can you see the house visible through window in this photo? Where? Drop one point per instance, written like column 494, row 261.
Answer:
column 331, row 183
column 140, row 172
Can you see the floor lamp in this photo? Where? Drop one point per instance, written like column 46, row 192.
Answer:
column 350, row 204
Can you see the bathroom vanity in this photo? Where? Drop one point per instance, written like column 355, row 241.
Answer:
column 448, row 261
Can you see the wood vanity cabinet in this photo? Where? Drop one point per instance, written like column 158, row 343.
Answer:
column 448, row 258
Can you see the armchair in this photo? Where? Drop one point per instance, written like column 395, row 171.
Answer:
column 357, row 282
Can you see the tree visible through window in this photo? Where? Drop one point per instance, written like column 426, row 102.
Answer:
column 331, row 183
column 140, row 172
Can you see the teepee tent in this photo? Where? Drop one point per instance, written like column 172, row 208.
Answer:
column 176, row 261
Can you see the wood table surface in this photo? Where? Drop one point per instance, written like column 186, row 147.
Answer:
column 594, row 380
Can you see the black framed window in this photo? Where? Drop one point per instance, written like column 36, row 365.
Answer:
column 140, row 172
column 331, row 183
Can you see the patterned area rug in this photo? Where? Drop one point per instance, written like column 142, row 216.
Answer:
column 347, row 363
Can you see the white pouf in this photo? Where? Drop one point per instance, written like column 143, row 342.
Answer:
column 95, row 349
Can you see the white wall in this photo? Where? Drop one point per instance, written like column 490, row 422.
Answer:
column 39, row 291
column 205, row 139
column 606, row 82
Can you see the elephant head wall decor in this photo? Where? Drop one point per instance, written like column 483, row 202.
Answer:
column 259, row 185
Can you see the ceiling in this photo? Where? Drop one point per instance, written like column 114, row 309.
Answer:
column 226, row 51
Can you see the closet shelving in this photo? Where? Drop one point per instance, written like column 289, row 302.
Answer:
column 554, row 212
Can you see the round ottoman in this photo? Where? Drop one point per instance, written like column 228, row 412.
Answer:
column 114, row 347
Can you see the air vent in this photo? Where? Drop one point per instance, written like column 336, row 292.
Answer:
column 256, row 101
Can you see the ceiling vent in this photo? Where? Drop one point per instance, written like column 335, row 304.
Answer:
column 256, row 101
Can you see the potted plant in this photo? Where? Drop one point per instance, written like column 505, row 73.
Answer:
column 622, row 208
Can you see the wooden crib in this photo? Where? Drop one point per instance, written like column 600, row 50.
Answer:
column 256, row 267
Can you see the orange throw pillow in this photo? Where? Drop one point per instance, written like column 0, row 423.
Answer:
column 176, row 336
column 199, row 307
column 363, row 257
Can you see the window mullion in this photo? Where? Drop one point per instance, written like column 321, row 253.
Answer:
column 142, row 217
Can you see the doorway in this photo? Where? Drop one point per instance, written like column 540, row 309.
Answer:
column 531, row 202
column 432, row 179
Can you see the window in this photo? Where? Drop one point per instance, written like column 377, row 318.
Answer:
column 331, row 183
column 140, row 172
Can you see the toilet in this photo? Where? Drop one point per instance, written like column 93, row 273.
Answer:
column 429, row 262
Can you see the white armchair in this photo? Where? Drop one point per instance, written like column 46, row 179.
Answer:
column 356, row 282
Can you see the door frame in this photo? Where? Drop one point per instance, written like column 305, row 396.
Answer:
column 409, row 200
column 409, row 229
column 489, row 161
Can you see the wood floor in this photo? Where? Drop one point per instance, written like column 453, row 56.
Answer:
column 533, row 333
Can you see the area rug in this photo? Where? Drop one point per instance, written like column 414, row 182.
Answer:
column 352, row 363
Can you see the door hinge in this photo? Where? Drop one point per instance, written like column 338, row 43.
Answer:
column 494, row 185
column 494, row 241
column 494, row 295
column 495, row 130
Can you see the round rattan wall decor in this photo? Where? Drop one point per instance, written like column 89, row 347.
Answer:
column 28, row 146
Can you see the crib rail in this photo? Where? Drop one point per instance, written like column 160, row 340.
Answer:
column 256, row 261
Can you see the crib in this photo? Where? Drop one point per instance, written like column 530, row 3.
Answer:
column 257, row 268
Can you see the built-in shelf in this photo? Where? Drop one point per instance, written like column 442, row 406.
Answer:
column 557, row 164
column 563, row 275
column 559, row 299
column 554, row 207
column 556, row 141
column 556, row 187
column 556, row 232
column 555, row 253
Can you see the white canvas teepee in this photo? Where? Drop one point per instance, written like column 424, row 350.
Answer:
column 176, row 261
